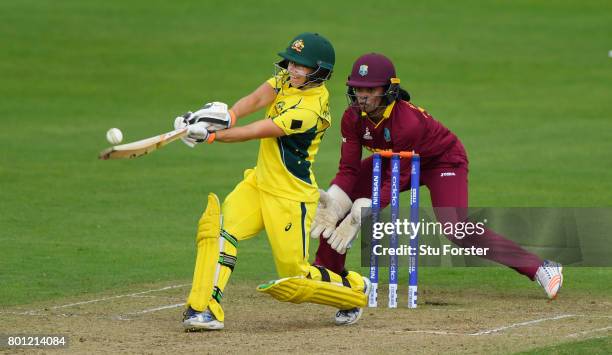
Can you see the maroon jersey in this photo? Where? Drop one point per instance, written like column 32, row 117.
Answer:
column 408, row 128
column 443, row 171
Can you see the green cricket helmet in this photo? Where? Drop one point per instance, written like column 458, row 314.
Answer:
column 311, row 50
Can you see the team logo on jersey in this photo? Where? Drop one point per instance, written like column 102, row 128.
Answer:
column 367, row 134
column 363, row 70
column 387, row 135
column 297, row 45
column 280, row 105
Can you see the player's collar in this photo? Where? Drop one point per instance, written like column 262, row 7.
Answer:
column 289, row 90
column 385, row 116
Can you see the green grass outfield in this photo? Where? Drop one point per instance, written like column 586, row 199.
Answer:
column 525, row 84
column 591, row 346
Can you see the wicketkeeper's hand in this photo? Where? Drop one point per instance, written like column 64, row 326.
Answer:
column 333, row 205
column 342, row 238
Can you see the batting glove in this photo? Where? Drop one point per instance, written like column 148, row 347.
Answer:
column 199, row 132
column 216, row 114
column 182, row 122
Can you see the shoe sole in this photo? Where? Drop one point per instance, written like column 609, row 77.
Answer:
column 558, row 280
column 190, row 327
column 355, row 320
column 366, row 291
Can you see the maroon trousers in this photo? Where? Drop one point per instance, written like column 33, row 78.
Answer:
column 448, row 188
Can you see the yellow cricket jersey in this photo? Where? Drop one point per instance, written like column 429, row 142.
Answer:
column 284, row 164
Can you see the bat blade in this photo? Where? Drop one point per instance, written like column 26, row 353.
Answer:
column 142, row 147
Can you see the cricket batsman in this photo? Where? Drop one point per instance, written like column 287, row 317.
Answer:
column 279, row 195
column 380, row 116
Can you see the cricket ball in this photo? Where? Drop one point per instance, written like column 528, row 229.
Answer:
column 114, row 136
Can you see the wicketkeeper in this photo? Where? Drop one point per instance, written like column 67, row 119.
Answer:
column 380, row 116
column 279, row 195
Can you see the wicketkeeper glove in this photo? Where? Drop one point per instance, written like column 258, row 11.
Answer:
column 333, row 205
column 342, row 238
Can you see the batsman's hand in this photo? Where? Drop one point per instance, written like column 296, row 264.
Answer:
column 182, row 122
column 216, row 114
column 342, row 238
column 199, row 132
column 333, row 205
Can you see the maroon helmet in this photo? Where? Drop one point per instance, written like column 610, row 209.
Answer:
column 371, row 70
column 374, row 70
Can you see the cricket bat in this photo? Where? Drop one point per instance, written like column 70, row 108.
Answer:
column 142, row 147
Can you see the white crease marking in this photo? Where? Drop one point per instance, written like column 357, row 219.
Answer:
column 158, row 308
column 573, row 335
column 436, row 332
column 118, row 296
column 40, row 312
column 521, row 324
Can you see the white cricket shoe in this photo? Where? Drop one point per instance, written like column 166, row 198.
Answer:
column 351, row 316
column 194, row 320
column 550, row 277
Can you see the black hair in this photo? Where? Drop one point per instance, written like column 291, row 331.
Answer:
column 403, row 94
column 395, row 92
